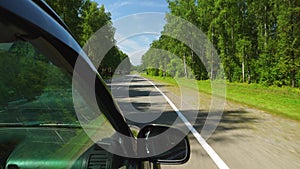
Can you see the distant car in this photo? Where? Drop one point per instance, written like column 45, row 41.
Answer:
column 39, row 126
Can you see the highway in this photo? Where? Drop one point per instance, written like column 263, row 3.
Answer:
column 245, row 137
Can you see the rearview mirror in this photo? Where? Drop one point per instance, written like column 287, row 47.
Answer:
column 164, row 145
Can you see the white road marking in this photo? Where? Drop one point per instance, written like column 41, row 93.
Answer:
column 210, row 151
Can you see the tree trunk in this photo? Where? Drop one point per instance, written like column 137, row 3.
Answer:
column 185, row 68
column 243, row 70
column 212, row 55
column 266, row 27
column 248, row 71
column 293, row 78
column 293, row 71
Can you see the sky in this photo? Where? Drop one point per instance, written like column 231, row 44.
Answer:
column 137, row 23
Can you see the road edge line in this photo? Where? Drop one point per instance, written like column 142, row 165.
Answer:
column 210, row 151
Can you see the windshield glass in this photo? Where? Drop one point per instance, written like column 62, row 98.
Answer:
column 36, row 92
column 33, row 90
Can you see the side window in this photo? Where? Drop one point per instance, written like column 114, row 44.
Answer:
column 32, row 88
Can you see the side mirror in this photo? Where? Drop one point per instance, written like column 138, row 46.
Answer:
column 164, row 145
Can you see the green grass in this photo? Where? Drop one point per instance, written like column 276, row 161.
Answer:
column 283, row 101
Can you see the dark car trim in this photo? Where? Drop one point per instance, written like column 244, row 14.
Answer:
column 42, row 4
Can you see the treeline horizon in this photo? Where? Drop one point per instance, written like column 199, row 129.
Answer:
column 84, row 18
column 258, row 41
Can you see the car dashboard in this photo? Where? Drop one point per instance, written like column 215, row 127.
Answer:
column 54, row 148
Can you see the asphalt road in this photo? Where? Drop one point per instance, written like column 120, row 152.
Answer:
column 244, row 138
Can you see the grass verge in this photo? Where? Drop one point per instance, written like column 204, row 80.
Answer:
column 283, row 101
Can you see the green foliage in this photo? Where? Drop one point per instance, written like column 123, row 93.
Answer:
column 170, row 56
column 258, row 41
column 70, row 12
column 152, row 72
column 8, row 63
column 31, row 81
column 21, row 77
column 94, row 18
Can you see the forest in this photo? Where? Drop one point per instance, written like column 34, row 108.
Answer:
column 86, row 17
column 258, row 41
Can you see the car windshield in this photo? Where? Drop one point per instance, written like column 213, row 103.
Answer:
column 33, row 90
column 36, row 92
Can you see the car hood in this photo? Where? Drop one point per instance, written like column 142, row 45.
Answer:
column 43, row 147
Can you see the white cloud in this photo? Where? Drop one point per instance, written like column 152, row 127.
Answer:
column 131, row 45
column 153, row 4
column 135, row 48
column 115, row 6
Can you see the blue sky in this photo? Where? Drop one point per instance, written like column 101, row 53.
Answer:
column 137, row 23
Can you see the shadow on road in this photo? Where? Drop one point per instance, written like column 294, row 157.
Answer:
column 122, row 91
column 231, row 120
